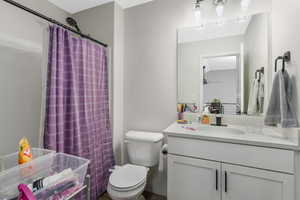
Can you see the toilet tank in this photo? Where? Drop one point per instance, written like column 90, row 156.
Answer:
column 143, row 147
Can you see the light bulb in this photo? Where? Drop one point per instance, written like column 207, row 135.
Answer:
column 220, row 9
column 245, row 4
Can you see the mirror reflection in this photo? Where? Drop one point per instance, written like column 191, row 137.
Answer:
column 221, row 84
column 221, row 66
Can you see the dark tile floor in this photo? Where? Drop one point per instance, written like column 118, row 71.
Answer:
column 147, row 195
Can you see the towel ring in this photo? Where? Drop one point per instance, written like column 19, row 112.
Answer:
column 285, row 58
column 260, row 72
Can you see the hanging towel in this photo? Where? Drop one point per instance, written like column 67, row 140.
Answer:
column 261, row 95
column 253, row 98
column 280, row 109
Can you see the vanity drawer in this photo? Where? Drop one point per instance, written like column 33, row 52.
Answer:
column 252, row 156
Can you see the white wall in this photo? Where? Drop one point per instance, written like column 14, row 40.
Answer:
column 98, row 22
column 190, row 68
column 21, row 43
column 285, row 37
column 118, row 83
column 256, row 50
column 24, row 28
column 20, row 97
column 150, row 81
column 150, row 59
column 222, row 84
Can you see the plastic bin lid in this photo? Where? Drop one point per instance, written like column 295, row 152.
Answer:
column 144, row 136
column 128, row 176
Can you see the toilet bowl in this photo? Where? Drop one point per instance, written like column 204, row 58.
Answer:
column 127, row 182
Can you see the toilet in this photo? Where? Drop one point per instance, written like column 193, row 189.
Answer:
column 129, row 181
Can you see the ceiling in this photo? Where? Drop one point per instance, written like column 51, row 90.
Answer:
column 74, row 6
column 221, row 63
column 213, row 30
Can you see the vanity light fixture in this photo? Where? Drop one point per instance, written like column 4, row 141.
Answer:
column 220, row 4
column 198, row 11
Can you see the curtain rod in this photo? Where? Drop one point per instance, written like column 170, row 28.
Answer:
column 53, row 21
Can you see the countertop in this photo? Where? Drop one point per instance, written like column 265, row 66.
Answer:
column 264, row 137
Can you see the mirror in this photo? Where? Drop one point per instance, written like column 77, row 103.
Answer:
column 221, row 66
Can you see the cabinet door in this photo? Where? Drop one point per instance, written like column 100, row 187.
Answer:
column 242, row 183
column 193, row 179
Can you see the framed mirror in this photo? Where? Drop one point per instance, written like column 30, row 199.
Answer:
column 220, row 66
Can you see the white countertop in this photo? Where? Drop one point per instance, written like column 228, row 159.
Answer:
column 265, row 137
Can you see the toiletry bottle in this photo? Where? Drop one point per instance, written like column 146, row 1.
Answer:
column 205, row 119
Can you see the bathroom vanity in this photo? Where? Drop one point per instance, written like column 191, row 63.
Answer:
column 225, row 72
column 230, row 163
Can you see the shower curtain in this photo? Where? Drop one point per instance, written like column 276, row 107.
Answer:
column 77, row 105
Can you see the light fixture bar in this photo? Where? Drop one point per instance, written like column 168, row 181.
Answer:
column 217, row 2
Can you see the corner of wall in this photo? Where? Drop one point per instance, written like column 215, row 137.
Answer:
column 118, row 83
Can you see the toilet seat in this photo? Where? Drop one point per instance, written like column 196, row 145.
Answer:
column 128, row 177
column 133, row 194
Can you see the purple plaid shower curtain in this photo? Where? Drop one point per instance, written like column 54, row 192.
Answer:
column 77, row 105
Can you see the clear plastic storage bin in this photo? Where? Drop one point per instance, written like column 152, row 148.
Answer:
column 41, row 167
column 11, row 160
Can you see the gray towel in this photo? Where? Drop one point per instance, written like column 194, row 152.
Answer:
column 253, row 105
column 280, row 109
column 256, row 97
column 261, row 95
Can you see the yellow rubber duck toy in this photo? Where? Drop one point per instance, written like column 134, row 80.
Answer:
column 25, row 154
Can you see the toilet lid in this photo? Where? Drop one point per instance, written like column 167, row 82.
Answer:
column 128, row 177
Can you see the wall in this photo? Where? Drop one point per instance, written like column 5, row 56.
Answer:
column 150, row 63
column 18, row 26
column 256, row 50
column 98, row 22
column 118, row 83
column 285, row 36
column 189, row 60
column 222, row 84
column 150, row 60
column 21, row 37
column 20, row 97
column 105, row 23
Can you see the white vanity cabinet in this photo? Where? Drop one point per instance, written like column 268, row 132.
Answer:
column 209, row 170
column 244, row 183
column 190, row 178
